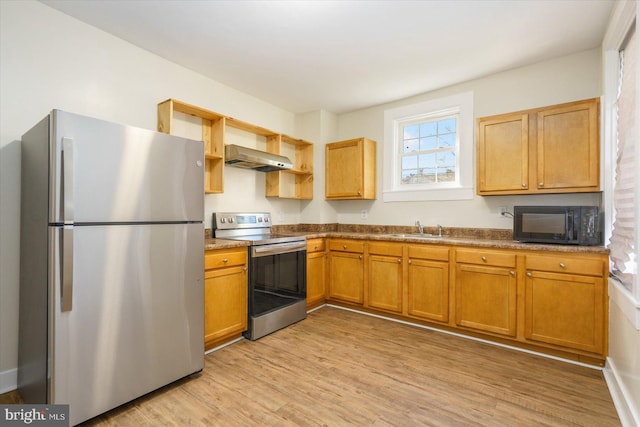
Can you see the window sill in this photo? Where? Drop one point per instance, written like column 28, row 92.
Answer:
column 627, row 303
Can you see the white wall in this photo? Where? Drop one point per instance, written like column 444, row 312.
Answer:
column 560, row 80
column 49, row 60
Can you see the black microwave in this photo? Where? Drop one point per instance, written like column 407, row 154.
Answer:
column 567, row 225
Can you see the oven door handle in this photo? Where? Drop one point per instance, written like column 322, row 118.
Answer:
column 277, row 248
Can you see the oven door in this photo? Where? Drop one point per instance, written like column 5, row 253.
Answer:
column 277, row 276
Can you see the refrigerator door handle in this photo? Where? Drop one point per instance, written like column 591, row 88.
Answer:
column 66, row 293
column 67, row 180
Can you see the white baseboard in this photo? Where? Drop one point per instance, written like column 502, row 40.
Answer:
column 628, row 412
column 8, row 380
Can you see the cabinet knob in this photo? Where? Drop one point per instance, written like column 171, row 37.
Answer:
column 225, row 260
column 359, row 256
column 409, row 261
column 513, row 273
column 315, row 247
column 359, row 193
column 541, row 184
column 344, row 246
column 399, row 260
column 484, row 259
column 245, row 269
column 524, row 185
column 562, row 265
column 528, row 274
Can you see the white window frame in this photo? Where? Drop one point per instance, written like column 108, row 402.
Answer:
column 463, row 188
column 619, row 26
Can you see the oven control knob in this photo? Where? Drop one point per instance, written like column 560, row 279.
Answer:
column 230, row 220
column 223, row 220
column 266, row 219
column 259, row 219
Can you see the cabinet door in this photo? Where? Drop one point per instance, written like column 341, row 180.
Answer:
column 350, row 169
column 225, row 304
column 568, row 147
column 428, row 290
column 565, row 309
column 486, row 298
column 316, row 270
column 346, row 275
column 385, row 283
column 503, row 153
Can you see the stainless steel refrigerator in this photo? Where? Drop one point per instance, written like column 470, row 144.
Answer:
column 111, row 263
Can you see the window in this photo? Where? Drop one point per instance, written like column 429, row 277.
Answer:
column 428, row 150
column 623, row 239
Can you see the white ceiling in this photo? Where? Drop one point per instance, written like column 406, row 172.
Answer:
column 341, row 56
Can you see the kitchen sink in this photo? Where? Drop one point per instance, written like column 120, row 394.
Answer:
column 419, row 235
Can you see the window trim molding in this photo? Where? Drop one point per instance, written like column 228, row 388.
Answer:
column 391, row 190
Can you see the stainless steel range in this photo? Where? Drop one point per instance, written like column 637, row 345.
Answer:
column 277, row 271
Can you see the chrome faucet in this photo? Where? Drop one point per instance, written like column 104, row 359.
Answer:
column 439, row 230
column 420, row 228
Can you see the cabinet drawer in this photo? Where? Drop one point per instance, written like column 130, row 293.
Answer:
column 315, row 245
column 385, row 248
column 346, row 246
column 429, row 252
column 564, row 264
column 499, row 259
column 215, row 259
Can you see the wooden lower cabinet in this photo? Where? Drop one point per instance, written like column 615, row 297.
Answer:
column 346, row 270
column 385, row 276
column 565, row 301
column 486, row 291
column 428, row 283
column 316, row 272
column 225, row 295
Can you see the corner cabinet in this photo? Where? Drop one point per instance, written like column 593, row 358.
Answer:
column 350, row 170
column 296, row 183
column 554, row 149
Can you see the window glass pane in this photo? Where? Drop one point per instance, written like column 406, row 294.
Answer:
column 411, row 145
column 427, row 160
column 447, row 140
column 411, row 131
column 447, row 174
column 409, row 162
column 446, row 159
column 429, row 129
column 407, row 175
column 428, row 175
column 429, row 143
column 447, row 125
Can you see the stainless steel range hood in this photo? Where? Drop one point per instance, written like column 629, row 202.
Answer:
column 249, row 158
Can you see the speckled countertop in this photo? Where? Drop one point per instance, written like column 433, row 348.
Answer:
column 469, row 237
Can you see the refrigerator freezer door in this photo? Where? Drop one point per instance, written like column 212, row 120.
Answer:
column 136, row 322
column 122, row 174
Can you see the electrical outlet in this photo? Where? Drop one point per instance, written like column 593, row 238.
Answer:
column 364, row 214
column 503, row 210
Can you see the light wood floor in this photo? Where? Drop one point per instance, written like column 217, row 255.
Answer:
column 340, row 368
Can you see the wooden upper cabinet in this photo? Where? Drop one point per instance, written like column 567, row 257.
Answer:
column 553, row 149
column 350, row 170
column 568, row 147
column 500, row 138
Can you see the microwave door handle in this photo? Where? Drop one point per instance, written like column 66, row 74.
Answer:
column 570, row 226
